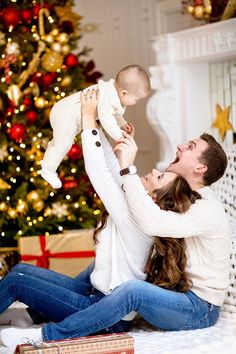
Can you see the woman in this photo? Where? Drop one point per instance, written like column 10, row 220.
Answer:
column 122, row 250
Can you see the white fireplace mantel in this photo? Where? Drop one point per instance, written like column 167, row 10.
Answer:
column 179, row 109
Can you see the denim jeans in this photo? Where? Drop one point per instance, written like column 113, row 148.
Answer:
column 165, row 309
column 51, row 295
column 75, row 314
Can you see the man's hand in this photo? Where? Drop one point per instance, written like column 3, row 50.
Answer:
column 126, row 150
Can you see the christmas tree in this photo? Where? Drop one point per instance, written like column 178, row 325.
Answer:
column 39, row 65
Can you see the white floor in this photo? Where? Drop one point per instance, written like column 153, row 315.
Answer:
column 214, row 340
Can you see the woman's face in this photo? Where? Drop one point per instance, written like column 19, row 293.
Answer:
column 156, row 180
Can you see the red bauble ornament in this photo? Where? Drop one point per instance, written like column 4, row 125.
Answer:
column 69, row 183
column 17, row 132
column 48, row 78
column 198, row 2
column 27, row 101
column 31, row 117
column 71, row 60
column 27, row 15
column 75, row 152
column 11, row 17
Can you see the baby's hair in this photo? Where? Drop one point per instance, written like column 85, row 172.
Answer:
column 131, row 75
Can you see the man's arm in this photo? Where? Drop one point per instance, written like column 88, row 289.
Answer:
column 201, row 216
column 152, row 220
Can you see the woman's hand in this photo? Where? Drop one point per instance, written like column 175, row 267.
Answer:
column 126, row 150
column 89, row 101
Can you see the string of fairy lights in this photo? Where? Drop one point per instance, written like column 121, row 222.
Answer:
column 52, row 49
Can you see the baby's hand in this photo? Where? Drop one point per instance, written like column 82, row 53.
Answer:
column 128, row 128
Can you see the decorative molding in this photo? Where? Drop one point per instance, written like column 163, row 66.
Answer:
column 199, row 43
column 161, row 110
column 180, row 106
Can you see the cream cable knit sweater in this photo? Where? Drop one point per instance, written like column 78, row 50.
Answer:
column 123, row 248
column 205, row 228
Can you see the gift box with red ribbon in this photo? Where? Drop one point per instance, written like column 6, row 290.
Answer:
column 121, row 343
column 68, row 253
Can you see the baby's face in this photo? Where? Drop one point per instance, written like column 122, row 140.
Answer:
column 130, row 99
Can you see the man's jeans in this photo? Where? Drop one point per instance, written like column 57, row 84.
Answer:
column 77, row 314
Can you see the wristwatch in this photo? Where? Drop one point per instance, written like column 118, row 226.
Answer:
column 131, row 170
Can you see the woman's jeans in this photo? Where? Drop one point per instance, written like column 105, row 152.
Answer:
column 46, row 293
column 77, row 314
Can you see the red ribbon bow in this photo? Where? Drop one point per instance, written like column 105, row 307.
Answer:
column 43, row 259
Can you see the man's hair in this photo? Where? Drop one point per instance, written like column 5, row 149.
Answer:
column 135, row 73
column 214, row 158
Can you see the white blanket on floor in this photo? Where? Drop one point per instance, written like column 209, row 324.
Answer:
column 218, row 339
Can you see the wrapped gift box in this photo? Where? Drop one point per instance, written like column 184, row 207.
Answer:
column 102, row 344
column 67, row 253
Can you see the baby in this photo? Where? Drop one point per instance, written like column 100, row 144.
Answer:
column 131, row 85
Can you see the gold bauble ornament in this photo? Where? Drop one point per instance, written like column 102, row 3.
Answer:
column 39, row 205
column 63, row 37
column 190, row 9
column 55, row 32
column 66, row 49
column 40, row 102
column 56, row 47
column 208, row 9
column 33, row 196
column 3, row 206
column 52, row 61
column 21, row 207
column 198, row 11
column 66, row 81
column 48, row 212
column 12, row 213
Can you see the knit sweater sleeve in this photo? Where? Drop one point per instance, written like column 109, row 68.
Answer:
column 202, row 215
column 101, row 177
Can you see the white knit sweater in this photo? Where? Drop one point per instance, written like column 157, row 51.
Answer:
column 123, row 248
column 205, row 228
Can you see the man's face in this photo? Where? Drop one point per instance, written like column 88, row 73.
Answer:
column 187, row 163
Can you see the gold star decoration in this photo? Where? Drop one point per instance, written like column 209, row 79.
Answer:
column 66, row 13
column 221, row 121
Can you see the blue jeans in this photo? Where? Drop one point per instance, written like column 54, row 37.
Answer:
column 51, row 295
column 80, row 315
column 162, row 308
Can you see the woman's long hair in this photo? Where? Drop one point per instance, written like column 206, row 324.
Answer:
column 166, row 265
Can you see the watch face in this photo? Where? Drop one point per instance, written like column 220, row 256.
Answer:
column 132, row 170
